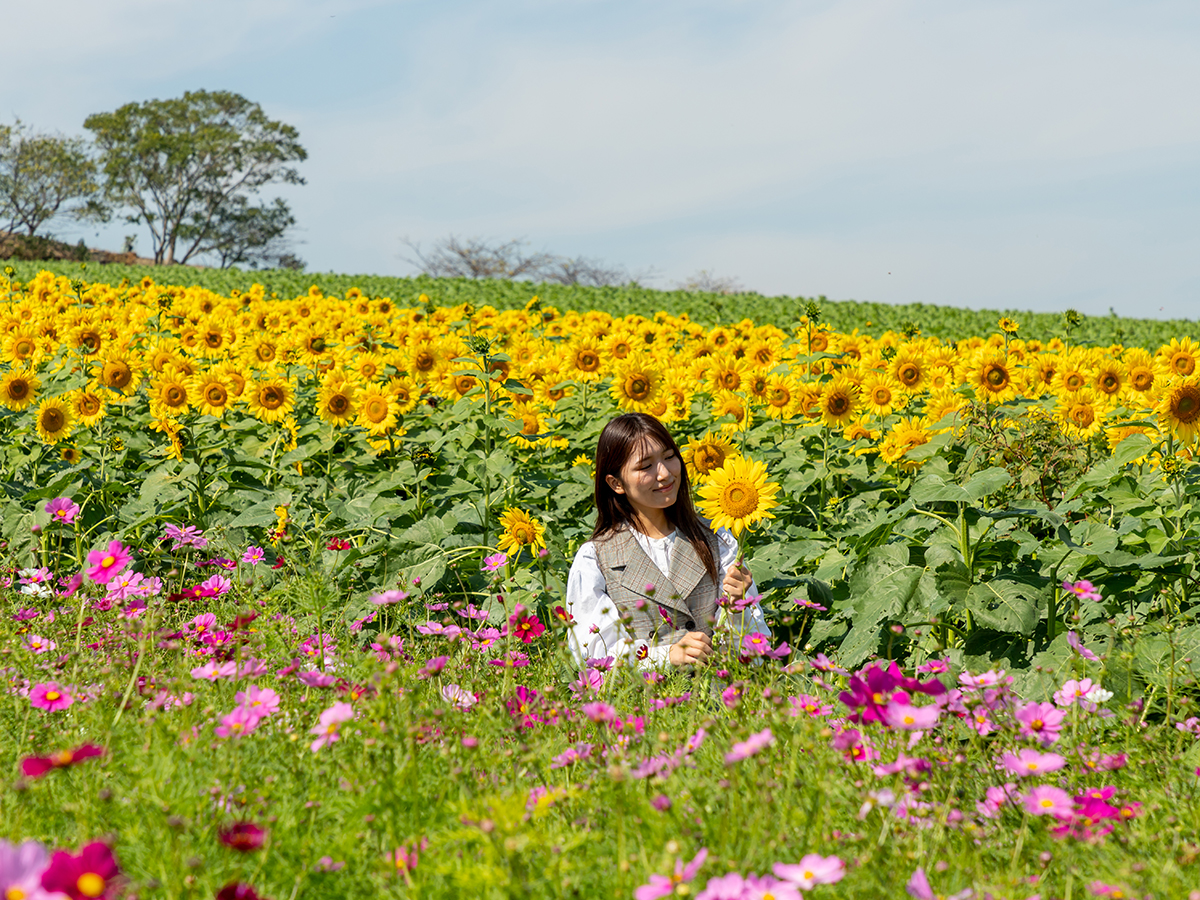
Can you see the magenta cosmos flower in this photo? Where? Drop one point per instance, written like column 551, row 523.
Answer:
column 105, row 564
column 21, row 868
column 243, row 836
column 37, row 766
column 63, row 510
column 1084, row 590
column 1045, row 800
column 50, row 696
column 91, row 874
column 526, row 627
column 1040, row 722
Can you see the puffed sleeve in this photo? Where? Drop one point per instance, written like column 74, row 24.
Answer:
column 597, row 630
column 752, row 619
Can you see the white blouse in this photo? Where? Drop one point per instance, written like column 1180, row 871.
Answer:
column 598, row 631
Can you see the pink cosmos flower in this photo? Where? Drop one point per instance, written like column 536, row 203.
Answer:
column 1040, row 722
column 588, row 680
column 749, row 747
column 317, row 678
column 996, row 797
column 35, row 643
column 909, row 717
column 50, row 696
column 213, row 670
column 471, row 611
column 755, row 644
column 812, row 870
column 1046, row 800
column 664, row 886
column 188, row 536
column 526, row 627
column 1030, row 762
column 449, row 631
column 218, row 584
column 823, row 663
column 599, row 712
column 253, row 555
column 458, row 697
column 21, row 868
column 388, row 598
column 241, row 721
column 1084, row 590
column 514, row 659
column 1073, row 692
column 807, row 704
column 260, row 701
column 934, row 666
column 105, row 564
column 1077, row 646
column 495, row 562
column 918, row 886
column 63, row 510
column 93, row 873
column 327, row 726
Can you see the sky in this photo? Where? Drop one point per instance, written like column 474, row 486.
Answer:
column 1011, row 154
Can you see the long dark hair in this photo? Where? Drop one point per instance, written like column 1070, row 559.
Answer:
column 620, row 439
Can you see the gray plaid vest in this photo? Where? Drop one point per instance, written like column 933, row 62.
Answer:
column 685, row 600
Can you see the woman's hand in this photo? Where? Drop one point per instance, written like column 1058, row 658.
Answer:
column 694, row 648
column 737, row 581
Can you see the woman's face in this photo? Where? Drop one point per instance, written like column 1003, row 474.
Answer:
column 650, row 477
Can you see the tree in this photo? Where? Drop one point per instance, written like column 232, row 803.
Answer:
column 187, row 168
column 583, row 271
column 254, row 235
column 41, row 176
column 706, row 282
column 454, row 257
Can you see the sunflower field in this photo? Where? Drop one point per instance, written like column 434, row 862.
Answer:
column 237, row 518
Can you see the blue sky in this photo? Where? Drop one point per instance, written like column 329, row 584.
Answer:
column 1028, row 155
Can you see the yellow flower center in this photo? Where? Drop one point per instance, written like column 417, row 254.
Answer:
column 1183, row 363
column 587, row 361
column 996, row 377
column 90, row 884
column 107, row 561
column 637, row 387
column 1185, row 405
column 739, row 499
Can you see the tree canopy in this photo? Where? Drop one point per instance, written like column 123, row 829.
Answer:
column 42, row 175
column 187, row 168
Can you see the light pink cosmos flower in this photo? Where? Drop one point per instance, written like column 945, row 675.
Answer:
column 813, row 869
column 218, row 584
column 35, row 643
column 21, row 868
column 252, row 667
column 458, row 697
column 241, row 721
column 494, row 562
column 389, row 598
column 327, row 726
column 588, row 680
column 1073, row 692
column 260, row 701
column 749, row 747
column 808, row 705
column 599, row 712
column 1030, row 762
column 1040, row 722
column 909, row 717
column 253, row 555
column 132, row 584
column 996, row 797
column 664, row 886
column 50, row 696
column 213, row 670
column 449, row 631
column 63, row 510
column 106, row 564
column 1046, row 800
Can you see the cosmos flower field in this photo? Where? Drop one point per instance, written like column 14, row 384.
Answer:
column 285, row 610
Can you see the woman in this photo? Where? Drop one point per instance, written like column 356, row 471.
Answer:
column 645, row 585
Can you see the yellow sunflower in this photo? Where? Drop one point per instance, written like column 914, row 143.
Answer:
column 637, row 384
column 88, row 407
column 1140, row 366
column 377, row 410
column 1009, row 326
column 703, row 457
column 738, row 495
column 781, row 394
column 210, row 393
column 992, row 377
column 271, row 400
column 883, row 395
column 1179, row 410
column 336, row 402
column 909, row 368
column 54, row 420
column 169, row 393
column 70, row 454
column 732, row 405
column 840, row 402
column 1110, row 378
column 905, row 435
column 1081, row 413
column 726, row 373
column 520, row 530
column 584, row 361
column 1179, row 357
column 18, row 389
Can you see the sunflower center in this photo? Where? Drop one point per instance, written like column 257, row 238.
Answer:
column 24, row 348
column 1083, row 415
column 730, row 380
column 530, row 425
column 423, row 361
column 214, row 339
column 1142, row 379
column 1074, row 381
column 18, row 389
column 117, row 375
column 175, row 395
column 739, row 499
column 1186, row 405
column 1183, row 363
column 338, row 404
column 90, row 342
column 819, row 343
column 838, row 404
column 271, row 397
column 89, row 405
column 909, row 374
column 637, row 387
column 587, row 361
column 216, row 395
column 779, row 397
column 53, row 420
column 882, row 396
column 996, row 377
column 1109, row 383
column 376, row 410
column 265, row 352
column 708, row 459
column 317, row 345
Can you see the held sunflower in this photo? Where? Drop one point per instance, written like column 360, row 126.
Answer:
column 738, row 495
